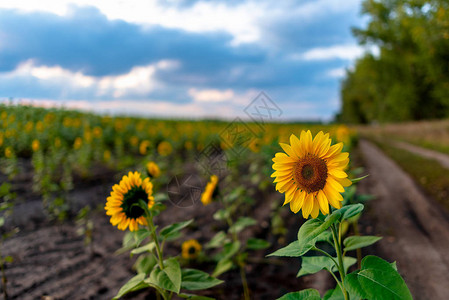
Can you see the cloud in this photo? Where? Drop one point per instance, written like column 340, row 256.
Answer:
column 88, row 42
column 346, row 52
column 336, row 73
column 210, row 95
column 28, row 78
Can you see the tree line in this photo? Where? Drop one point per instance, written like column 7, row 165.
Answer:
column 408, row 79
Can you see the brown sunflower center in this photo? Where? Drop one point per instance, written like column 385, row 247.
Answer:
column 310, row 173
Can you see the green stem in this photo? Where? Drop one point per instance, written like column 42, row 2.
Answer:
column 244, row 282
column 152, row 229
column 341, row 267
column 330, row 271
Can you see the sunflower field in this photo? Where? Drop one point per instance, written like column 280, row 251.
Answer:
column 101, row 207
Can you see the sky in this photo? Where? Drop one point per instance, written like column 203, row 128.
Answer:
column 179, row 58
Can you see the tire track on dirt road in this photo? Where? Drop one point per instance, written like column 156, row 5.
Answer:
column 415, row 228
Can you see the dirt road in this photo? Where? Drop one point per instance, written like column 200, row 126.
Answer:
column 442, row 158
column 415, row 228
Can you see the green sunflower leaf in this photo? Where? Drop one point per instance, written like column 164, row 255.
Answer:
column 257, row 244
column 349, row 211
column 219, row 239
column 241, row 224
column 134, row 284
column 376, row 280
column 314, row 264
column 312, row 228
column 358, row 179
column 173, row 229
column 169, row 278
column 147, row 248
column 356, row 242
column 309, row 294
column 198, row 280
column 223, row 266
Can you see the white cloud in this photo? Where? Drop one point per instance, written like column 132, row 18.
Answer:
column 336, row 73
column 138, row 81
column 242, row 20
column 210, row 95
column 347, row 52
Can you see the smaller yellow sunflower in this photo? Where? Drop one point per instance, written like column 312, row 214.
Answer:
column 206, row 196
column 107, row 155
column 153, row 169
column 57, row 142
column 120, row 205
column 191, row 249
column 35, row 145
column 8, row 152
column 78, row 143
column 143, row 148
column 164, row 148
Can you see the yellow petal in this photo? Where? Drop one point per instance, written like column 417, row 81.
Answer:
column 333, row 150
column 316, row 208
column 335, row 184
column 344, row 181
column 337, row 173
column 322, row 200
column 307, row 206
column 297, row 201
column 296, row 145
column 288, row 149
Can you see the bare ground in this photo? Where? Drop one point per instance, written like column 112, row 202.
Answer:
column 415, row 227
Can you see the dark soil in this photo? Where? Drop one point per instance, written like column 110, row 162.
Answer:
column 51, row 259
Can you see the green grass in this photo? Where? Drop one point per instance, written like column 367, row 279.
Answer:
column 428, row 173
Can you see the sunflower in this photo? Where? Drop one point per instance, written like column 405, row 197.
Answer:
column 120, row 205
column 35, row 145
column 164, row 148
column 311, row 174
column 191, row 249
column 206, row 196
column 153, row 169
column 143, row 148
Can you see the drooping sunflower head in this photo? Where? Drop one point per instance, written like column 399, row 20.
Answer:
column 191, row 249
column 153, row 169
column 122, row 205
column 207, row 195
column 311, row 173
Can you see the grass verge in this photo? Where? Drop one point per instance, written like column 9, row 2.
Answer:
column 427, row 172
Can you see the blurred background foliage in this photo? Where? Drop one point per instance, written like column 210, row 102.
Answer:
column 409, row 77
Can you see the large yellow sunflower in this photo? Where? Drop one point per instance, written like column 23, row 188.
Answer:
column 311, row 173
column 129, row 191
